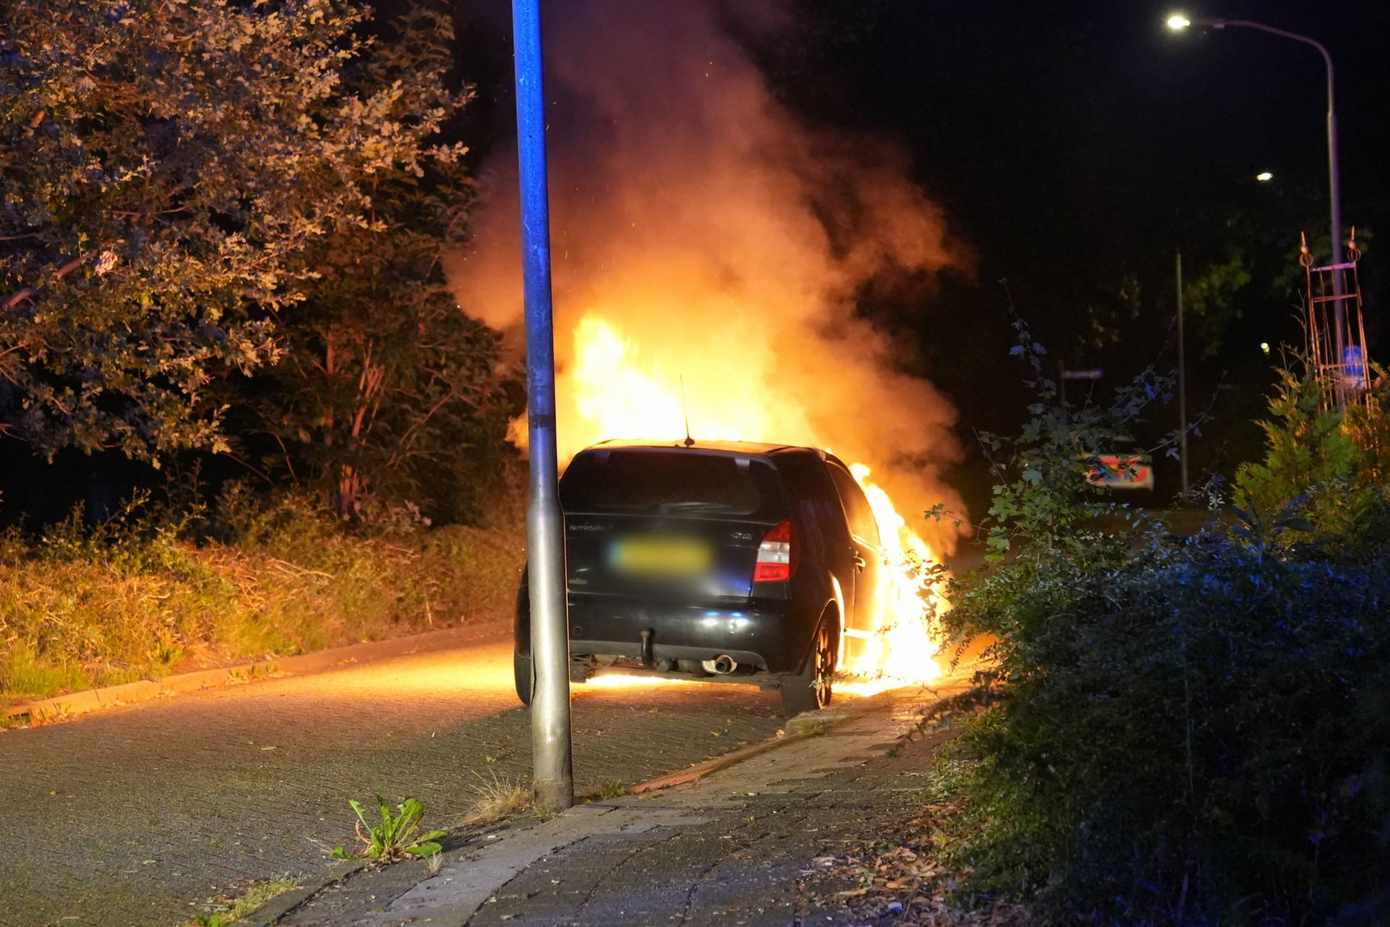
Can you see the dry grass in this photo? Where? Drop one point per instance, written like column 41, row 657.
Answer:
column 228, row 911
column 498, row 797
column 77, row 613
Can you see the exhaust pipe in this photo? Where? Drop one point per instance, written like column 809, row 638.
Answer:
column 722, row 664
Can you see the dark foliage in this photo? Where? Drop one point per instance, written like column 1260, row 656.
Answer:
column 1188, row 730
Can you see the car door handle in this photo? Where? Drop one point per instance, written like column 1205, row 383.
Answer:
column 859, row 562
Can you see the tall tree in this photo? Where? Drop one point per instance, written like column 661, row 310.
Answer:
column 388, row 391
column 172, row 172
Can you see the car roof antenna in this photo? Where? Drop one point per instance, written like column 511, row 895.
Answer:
column 685, row 411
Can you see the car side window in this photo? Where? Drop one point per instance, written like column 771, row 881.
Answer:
column 857, row 509
column 813, row 497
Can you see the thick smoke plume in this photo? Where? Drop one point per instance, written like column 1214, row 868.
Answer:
column 725, row 241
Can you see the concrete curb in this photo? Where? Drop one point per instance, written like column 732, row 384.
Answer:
column 798, row 728
column 274, row 909
column 271, row 913
column 808, row 724
column 62, row 708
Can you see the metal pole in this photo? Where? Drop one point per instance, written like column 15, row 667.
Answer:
column 1182, row 382
column 1334, row 187
column 1334, row 184
column 552, row 775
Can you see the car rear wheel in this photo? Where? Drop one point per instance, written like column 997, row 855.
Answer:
column 811, row 689
column 525, row 676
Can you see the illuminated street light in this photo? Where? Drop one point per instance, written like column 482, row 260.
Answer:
column 1264, row 347
column 1264, row 176
column 1177, row 22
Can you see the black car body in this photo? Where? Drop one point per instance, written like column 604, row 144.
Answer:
column 717, row 561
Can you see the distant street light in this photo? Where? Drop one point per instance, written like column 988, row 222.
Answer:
column 1179, row 22
column 1264, row 176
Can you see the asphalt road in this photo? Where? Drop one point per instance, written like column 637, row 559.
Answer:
column 136, row 818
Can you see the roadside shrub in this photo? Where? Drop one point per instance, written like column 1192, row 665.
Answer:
column 1334, row 468
column 1184, row 730
column 135, row 597
column 1198, row 733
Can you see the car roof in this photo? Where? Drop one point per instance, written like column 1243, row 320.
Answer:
column 730, row 448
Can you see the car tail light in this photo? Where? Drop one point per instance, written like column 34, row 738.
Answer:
column 776, row 556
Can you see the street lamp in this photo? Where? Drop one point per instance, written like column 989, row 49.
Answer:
column 1179, row 22
column 1264, row 176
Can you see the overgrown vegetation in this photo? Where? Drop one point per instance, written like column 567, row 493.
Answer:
column 395, row 836
column 1332, row 468
column 148, row 591
column 1185, row 730
column 239, row 265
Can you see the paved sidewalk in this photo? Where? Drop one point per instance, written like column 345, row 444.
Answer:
column 744, row 846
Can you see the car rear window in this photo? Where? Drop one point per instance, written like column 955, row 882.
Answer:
column 675, row 482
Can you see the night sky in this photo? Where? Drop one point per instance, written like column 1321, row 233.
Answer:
column 1076, row 144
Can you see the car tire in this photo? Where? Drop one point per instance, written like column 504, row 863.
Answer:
column 525, row 675
column 811, row 689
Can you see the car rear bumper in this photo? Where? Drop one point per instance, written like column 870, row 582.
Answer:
column 758, row 637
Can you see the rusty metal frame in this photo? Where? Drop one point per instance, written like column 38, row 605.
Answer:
column 1334, row 315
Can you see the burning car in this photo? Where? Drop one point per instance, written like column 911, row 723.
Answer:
column 716, row 561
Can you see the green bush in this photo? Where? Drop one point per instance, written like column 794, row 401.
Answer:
column 1205, row 719
column 1184, row 730
column 138, row 597
column 1331, row 466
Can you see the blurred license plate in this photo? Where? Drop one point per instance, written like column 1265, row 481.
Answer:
column 661, row 556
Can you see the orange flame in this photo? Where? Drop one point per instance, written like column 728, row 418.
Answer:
column 909, row 599
column 617, row 392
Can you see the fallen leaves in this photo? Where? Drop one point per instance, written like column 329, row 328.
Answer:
column 900, row 876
